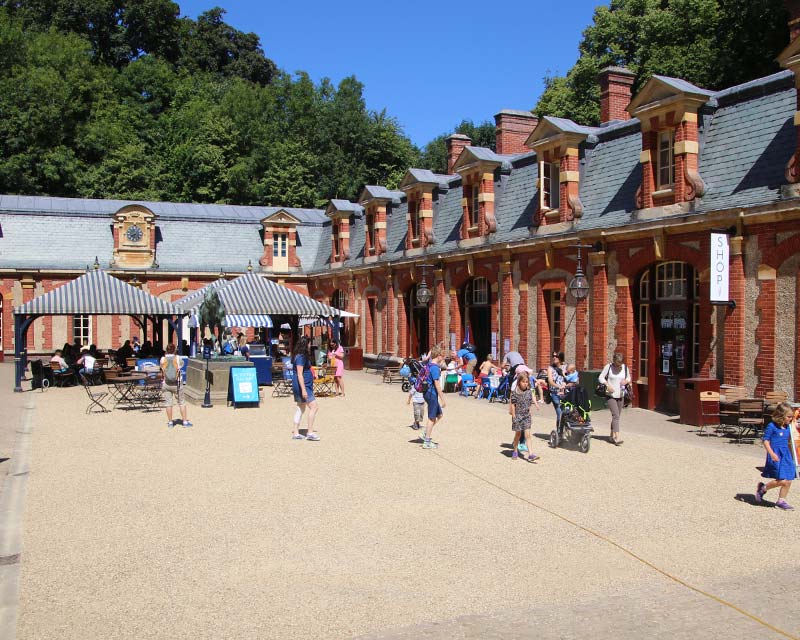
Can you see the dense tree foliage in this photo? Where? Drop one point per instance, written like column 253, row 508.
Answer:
column 712, row 43
column 125, row 99
column 434, row 155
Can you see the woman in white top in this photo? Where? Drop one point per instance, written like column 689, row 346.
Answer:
column 615, row 376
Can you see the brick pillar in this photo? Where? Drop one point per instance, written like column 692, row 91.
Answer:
column 623, row 331
column 706, row 327
column 733, row 334
column 380, row 228
column 522, row 309
column 8, row 317
column 495, row 300
column 506, row 309
column 455, row 145
column 542, row 329
column 390, row 340
column 615, row 93
column 441, row 302
column 686, row 150
column 402, row 326
column 581, row 324
column 455, row 314
column 266, row 258
column 765, row 331
column 599, row 311
column 426, row 218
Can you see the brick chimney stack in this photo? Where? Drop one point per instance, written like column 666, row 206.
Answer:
column 512, row 129
column 455, row 145
column 615, row 93
column 793, row 9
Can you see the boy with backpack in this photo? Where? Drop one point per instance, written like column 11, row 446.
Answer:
column 171, row 365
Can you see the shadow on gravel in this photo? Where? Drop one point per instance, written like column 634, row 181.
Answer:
column 750, row 499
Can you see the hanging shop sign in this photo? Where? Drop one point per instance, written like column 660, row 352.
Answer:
column 720, row 267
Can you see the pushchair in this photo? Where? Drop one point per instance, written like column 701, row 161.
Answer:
column 575, row 424
column 410, row 370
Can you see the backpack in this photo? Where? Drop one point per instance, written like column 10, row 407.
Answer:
column 171, row 372
column 421, row 383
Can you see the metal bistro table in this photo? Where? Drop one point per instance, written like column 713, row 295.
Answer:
column 125, row 390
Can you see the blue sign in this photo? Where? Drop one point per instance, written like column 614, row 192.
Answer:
column 206, row 352
column 243, row 385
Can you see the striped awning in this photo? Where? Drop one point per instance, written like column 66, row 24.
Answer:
column 254, row 294
column 97, row 293
column 248, row 320
column 192, row 301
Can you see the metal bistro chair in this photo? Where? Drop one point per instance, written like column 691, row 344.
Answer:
column 751, row 416
column 95, row 398
column 323, row 384
column 709, row 409
column 729, row 407
column 282, row 385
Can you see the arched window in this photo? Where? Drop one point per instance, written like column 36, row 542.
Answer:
column 671, row 281
column 476, row 293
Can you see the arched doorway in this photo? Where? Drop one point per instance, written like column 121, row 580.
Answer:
column 667, row 332
column 476, row 310
column 340, row 329
column 417, row 324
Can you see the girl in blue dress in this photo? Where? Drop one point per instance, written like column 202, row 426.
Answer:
column 780, row 464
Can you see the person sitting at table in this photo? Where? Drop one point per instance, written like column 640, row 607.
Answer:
column 94, row 351
column 123, row 353
column 136, row 346
column 58, row 358
column 146, row 350
column 487, row 367
column 86, row 364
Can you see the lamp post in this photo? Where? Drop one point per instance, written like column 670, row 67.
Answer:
column 579, row 285
column 424, row 294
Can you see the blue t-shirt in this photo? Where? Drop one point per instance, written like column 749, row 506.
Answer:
column 466, row 354
column 434, row 375
column 301, row 360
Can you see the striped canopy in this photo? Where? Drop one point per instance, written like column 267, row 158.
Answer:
column 254, row 295
column 248, row 320
column 98, row 293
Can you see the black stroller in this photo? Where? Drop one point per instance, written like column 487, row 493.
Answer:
column 410, row 378
column 575, row 424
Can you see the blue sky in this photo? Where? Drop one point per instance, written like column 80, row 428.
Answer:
column 429, row 64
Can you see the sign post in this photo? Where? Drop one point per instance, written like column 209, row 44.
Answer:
column 207, row 399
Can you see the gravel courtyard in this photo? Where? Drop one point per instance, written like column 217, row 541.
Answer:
column 231, row 529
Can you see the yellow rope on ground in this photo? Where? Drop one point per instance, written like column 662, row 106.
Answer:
column 625, row 550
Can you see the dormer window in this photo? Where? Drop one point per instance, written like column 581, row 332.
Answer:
column 337, row 242
column 369, row 222
column 549, row 193
column 665, row 169
column 473, row 207
column 414, row 220
column 280, row 241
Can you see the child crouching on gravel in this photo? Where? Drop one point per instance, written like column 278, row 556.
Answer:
column 520, row 410
column 419, row 406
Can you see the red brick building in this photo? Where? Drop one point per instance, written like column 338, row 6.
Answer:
column 644, row 191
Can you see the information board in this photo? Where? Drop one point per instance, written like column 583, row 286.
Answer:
column 243, row 386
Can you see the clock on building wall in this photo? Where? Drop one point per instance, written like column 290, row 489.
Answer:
column 134, row 233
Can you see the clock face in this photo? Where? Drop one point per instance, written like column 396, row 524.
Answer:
column 134, row 233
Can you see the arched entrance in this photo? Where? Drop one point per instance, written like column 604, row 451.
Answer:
column 476, row 310
column 667, row 323
column 417, row 324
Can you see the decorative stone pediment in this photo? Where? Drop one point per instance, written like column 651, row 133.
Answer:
column 663, row 98
column 281, row 217
column 342, row 209
column 134, row 238
column 552, row 133
column 477, row 157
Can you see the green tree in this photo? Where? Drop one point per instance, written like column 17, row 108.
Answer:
column 711, row 43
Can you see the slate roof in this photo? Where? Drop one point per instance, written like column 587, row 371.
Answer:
column 746, row 137
column 377, row 191
column 568, row 126
column 682, row 85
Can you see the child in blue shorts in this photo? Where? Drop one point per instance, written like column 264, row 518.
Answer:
column 433, row 396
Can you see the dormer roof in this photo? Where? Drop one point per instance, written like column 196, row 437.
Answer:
column 337, row 207
column 551, row 129
column 790, row 56
column 371, row 193
column 416, row 177
column 474, row 155
column 282, row 216
column 661, row 91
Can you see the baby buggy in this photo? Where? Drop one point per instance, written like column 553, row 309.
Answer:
column 575, row 424
column 410, row 370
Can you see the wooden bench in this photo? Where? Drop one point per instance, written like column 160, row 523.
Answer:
column 382, row 360
column 391, row 373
